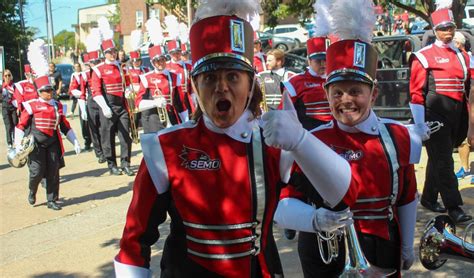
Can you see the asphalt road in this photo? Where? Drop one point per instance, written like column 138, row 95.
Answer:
column 82, row 239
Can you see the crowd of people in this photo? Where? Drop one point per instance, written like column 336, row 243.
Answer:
column 233, row 142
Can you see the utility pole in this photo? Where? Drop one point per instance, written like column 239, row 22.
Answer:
column 49, row 28
column 189, row 7
column 20, row 48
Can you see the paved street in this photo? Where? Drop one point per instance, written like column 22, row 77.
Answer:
column 82, row 239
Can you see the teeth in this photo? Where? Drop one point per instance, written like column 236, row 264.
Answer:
column 348, row 110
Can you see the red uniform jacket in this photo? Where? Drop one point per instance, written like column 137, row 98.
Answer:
column 47, row 120
column 182, row 70
column 371, row 191
column 439, row 69
column 85, row 84
column 24, row 91
column 308, row 87
column 207, row 183
column 75, row 83
column 135, row 76
column 110, row 76
column 259, row 62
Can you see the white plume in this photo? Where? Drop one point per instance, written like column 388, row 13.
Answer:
column 444, row 4
column 183, row 33
column 104, row 27
column 93, row 40
column 136, row 39
column 246, row 9
column 353, row 19
column 155, row 32
column 322, row 18
column 37, row 56
column 172, row 26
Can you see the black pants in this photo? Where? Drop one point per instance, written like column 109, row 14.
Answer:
column 93, row 123
column 86, row 134
column 119, row 123
column 151, row 121
column 379, row 252
column 74, row 105
column 440, row 177
column 10, row 119
column 45, row 162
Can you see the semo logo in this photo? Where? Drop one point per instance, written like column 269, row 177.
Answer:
column 194, row 159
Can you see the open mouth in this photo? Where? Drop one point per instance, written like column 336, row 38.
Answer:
column 223, row 105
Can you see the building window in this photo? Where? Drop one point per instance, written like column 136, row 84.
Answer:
column 139, row 18
column 154, row 13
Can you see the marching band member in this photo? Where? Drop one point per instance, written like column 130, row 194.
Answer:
column 24, row 90
column 10, row 118
column 91, row 58
column 259, row 58
column 108, row 86
column 158, row 96
column 439, row 84
column 46, row 118
column 75, row 92
column 214, row 175
column 307, row 90
column 381, row 153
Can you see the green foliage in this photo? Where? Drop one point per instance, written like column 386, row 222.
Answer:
column 65, row 39
column 12, row 38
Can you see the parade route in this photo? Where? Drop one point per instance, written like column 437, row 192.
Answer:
column 82, row 239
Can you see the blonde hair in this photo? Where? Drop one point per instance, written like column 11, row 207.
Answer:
column 5, row 72
column 278, row 54
column 459, row 37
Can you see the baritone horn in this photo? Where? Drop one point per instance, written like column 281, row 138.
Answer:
column 19, row 158
column 132, row 109
column 440, row 243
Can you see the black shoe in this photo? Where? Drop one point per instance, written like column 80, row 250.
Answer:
column 434, row 207
column 53, row 205
column 128, row 171
column 32, row 198
column 115, row 171
column 102, row 160
column 458, row 215
column 87, row 148
column 290, row 234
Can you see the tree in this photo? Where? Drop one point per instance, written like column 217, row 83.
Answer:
column 65, row 39
column 13, row 38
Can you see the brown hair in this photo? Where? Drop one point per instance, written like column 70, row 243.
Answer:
column 254, row 105
column 5, row 72
column 278, row 54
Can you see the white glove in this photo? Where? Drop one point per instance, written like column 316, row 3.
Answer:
column 421, row 130
column 76, row 93
column 103, row 106
column 77, row 147
column 127, row 92
column 329, row 221
column 408, row 258
column 19, row 134
column 82, row 106
column 160, row 102
column 281, row 128
column 418, row 113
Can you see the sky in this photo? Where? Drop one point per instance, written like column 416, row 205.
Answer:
column 64, row 14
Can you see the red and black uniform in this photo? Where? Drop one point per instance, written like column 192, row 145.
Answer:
column 182, row 70
column 75, row 90
column 134, row 74
column 47, row 121
column 260, row 62
column 380, row 153
column 156, row 84
column 10, row 118
column 307, row 94
column 24, row 91
column 108, row 81
column 93, row 113
column 220, row 190
column 440, row 81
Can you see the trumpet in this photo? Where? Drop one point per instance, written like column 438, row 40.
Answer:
column 440, row 243
column 162, row 112
column 263, row 104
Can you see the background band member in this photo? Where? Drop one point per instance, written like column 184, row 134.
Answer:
column 93, row 109
column 380, row 152
column 10, row 118
column 46, row 118
column 75, row 92
column 306, row 89
column 259, row 58
column 230, row 236
column 108, row 85
column 439, row 84
column 158, row 96
column 24, row 89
